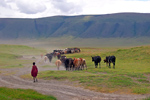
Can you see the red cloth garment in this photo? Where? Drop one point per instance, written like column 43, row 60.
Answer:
column 34, row 71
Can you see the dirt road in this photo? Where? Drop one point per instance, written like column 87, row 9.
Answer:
column 61, row 90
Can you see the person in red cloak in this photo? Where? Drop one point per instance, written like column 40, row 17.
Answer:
column 34, row 72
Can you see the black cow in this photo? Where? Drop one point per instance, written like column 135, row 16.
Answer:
column 96, row 59
column 49, row 56
column 68, row 50
column 110, row 59
column 69, row 63
column 58, row 56
column 62, row 58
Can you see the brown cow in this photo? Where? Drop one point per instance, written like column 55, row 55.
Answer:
column 56, row 54
column 77, row 63
column 83, row 64
column 45, row 58
column 65, row 51
column 106, row 60
column 58, row 63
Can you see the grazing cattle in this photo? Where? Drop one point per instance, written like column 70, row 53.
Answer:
column 58, row 53
column 96, row 60
column 77, row 63
column 49, row 56
column 71, row 65
column 72, row 50
column 106, row 60
column 110, row 59
column 62, row 58
column 77, row 50
column 61, row 52
column 68, row 63
column 58, row 56
column 45, row 58
column 83, row 63
column 58, row 63
column 68, row 50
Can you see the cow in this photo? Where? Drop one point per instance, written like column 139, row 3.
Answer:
column 62, row 58
column 71, row 65
column 77, row 50
column 58, row 63
column 58, row 56
column 72, row 50
column 45, row 58
column 110, row 59
column 65, row 51
column 106, row 60
column 68, row 50
column 83, row 64
column 68, row 63
column 96, row 60
column 49, row 56
column 77, row 63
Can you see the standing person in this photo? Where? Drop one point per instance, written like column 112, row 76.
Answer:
column 34, row 72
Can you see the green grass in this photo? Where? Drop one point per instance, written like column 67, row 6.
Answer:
column 69, row 41
column 129, row 76
column 10, row 55
column 20, row 94
column 19, row 50
column 147, row 98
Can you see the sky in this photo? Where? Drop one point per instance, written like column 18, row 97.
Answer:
column 47, row 8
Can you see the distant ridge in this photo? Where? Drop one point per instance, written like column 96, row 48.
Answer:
column 84, row 26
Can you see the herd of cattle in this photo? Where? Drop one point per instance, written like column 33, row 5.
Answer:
column 77, row 63
column 58, row 53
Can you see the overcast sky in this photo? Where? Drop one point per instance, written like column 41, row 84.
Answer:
column 46, row 8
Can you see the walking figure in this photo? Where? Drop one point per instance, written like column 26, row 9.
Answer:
column 34, row 72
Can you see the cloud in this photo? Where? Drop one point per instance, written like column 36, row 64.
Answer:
column 67, row 7
column 30, row 6
column 45, row 8
column 138, row 0
column 4, row 4
column 116, row 6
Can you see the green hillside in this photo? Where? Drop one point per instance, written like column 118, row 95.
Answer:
column 86, row 26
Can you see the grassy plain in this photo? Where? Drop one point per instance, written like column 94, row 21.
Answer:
column 131, row 75
column 20, row 94
column 11, row 55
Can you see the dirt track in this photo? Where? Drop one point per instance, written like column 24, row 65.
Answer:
column 61, row 90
